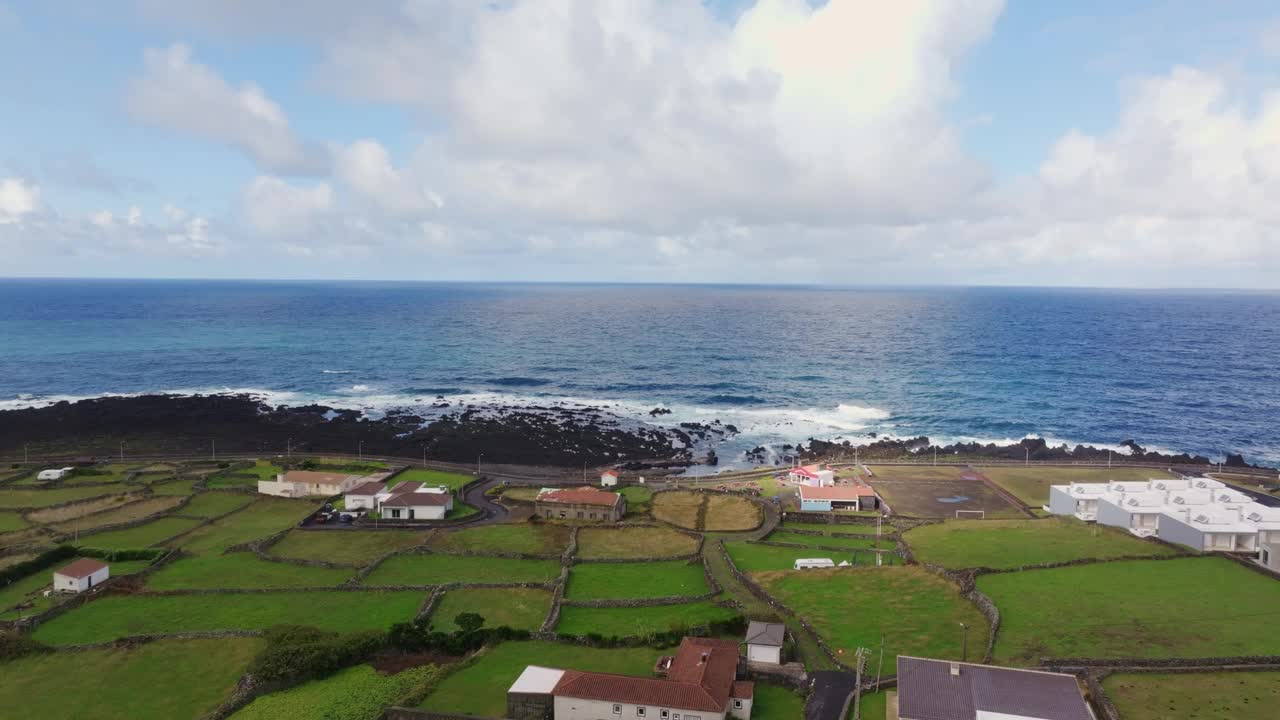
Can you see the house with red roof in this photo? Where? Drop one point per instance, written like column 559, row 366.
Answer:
column 580, row 503
column 813, row 475
column 838, row 497
column 699, row 682
column 609, row 478
column 83, row 574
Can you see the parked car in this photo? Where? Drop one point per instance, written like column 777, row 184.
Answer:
column 346, row 518
column 321, row 518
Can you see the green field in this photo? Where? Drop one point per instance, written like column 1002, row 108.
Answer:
column 10, row 521
column 751, row 557
column 119, row 514
column 117, row 616
column 261, row 470
column 266, row 516
column 794, row 523
column 174, row 487
column 774, row 702
column 348, row 547
column 528, row 538
column 241, row 571
column 432, row 477
column 162, row 679
column 141, row 536
column 431, row 569
column 638, row 499
column 1185, row 607
column 519, row 608
column 28, row 588
column 599, row 581
column 852, row 543
column 1030, row 484
column 480, row 689
column 634, row 542
column 115, row 472
column 1202, row 696
column 730, row 513
column 1014, row 543
column 213, row 504
column 639, row 621
column 356, row 693
column 916, row 612
column 45, row 498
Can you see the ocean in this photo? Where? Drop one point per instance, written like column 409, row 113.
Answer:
column 1175, row 371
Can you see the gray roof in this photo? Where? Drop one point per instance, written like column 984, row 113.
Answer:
column 762, row 633
column 928, row 691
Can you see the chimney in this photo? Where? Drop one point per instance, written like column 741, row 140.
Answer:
column 955, row 669
column 703, row 658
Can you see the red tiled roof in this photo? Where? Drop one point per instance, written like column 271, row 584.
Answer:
column 417, row 499
column 701, row 677
column 806, row 472
column 369, row 488
column 743, row 690
column 581, row 496
column 84, row 567
column 834, row 492
column 610, row 472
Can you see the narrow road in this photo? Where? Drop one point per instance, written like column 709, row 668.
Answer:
column 831, row 691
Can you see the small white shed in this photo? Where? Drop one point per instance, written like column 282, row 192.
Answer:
column 81, row 575
column 765, row 641
column 54, row 474
column 609, row 478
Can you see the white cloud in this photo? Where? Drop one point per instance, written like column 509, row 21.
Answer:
column 365, row 167
column 17, row 198
column 178, row 93
column 274, row 207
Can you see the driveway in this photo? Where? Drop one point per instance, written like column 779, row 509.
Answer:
column 831, row 690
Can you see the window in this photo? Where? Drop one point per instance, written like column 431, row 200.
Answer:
column 617, row 709
column 579, row 514
column 593, row 516
column 640, row 712
column 737, row 704
column 664, row 714
column 561, row 514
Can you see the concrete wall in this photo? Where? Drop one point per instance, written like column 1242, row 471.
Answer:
column 69, row 584
column 1175, row 531
column 579, row 709
column 1061, row 502
column 1111, row 514
column 423, row 512
column 764, row 653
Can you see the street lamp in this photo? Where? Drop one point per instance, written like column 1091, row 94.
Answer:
column 964, row 646
column 360, row 450
column 1027, row 451
column 26, row 458
column 121, row 451
column 478, row 458
column 424, row 455
column 289, row 447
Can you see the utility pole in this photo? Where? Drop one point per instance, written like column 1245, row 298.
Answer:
column 26, row 459
column 1108, row 459
column 1027, row 461
column 584, row 471
column 935, row 455
column 964, row 644
column 860, row 660
column 289, row 448
column 424, row 455
column 213, row 450
column 360, row 450
column 478, row 459
column 880, row 666
column 121, row 451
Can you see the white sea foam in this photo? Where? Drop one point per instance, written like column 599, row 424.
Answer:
column 337, row 372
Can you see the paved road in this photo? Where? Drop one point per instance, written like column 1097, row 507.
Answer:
column 831, row 690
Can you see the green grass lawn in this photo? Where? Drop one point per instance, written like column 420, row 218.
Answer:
column 460, row 510
column 10, row 521
column 634, row 543
column 730, row 513
column 241, row 571
column 1203, row 696
column 174, row 487
column 356, row 693
column 233, row 481
column 141, row 536
column 775, row 702
column 872, row 707
column 431, row 569
column 45, row 498
column 519, row 608
column 213, row 504
column 831, row 529
column 118, row 616
column 598, row 581
column 112, row 473
column 28, row 588
column 1014, row 543
column 1186, row 607
column 129, row 512
column 261, row 469
column 853, row 543
column 162, row 679
column 1030, row 484
column 750, row 557
column 916, row 612
column 641, row 621
column 527, row 494
column 528, row 538
column 432, row 477
column 350, row 547
column 638, row 499
column 266, row 516
column 480, row 689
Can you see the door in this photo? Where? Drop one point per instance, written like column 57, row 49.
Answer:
column 410, row 513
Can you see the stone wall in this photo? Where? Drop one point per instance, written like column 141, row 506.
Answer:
column 969, row 591
column 402, row 713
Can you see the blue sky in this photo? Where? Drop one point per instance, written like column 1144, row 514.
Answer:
column 967, row 141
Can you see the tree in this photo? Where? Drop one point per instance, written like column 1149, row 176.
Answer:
column 469, row 622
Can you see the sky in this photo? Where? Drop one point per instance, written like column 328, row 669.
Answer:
column 972, row 142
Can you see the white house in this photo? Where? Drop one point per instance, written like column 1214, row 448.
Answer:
column 1209, row 529
column 765, row 641
column 309, row 483
column 81, row 575
column 1078, row 499
column 609, row 478
column 1137, row 512
column 1269, row 556
column 54, row 474
column 364, row 496
column 812, row 475
column 415, row 501
column 943, row 690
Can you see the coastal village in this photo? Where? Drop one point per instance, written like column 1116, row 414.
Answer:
column 825, row 591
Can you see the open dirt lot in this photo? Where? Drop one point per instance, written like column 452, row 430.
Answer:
column 942, row 498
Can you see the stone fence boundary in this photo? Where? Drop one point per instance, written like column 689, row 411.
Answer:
column 429, row 604
column 965, row 579
column 892, row 534
column 171, row 512
column 109, row 587
column 153, row 637
column 23, row 511
column 823, row 548
column 817, row 517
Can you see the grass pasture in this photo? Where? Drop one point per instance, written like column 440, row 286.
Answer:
column 265, row 516
column 775, row 702
column 80, row 509
column 731, row 513
column 639, row 621
column 213, row 504
column 117, row 616
column 529, row 538
column 347, row 547
column 751, row 557
column 1134, row 608
column 174, row 487
column 1014, row 543
column 122, row 514
column 1203, row 696
column 241, row 571
column 519, row 608
column 142, row 536
column 27, row 589
column 431, row 569
column 11, row 521
column 111, row 473
column 638, row 499
column 478, row 688
column 121, row 683
column 1030, row 483
column 917, row 612
column 634, row 542
column 261, row 470
column 34, row 498
column 942, row 498
column 601, row 581
column 432, row 477
column 678, row 508
column 355, row 693
column 851, row 543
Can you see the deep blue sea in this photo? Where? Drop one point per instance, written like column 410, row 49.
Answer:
column 1183, row 371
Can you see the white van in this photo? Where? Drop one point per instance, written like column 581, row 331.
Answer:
column 813, row 563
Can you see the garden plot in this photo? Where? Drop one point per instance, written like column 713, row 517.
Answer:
column 634, row 542
column 527, row 538
column 241, row 571
column 942, row 498
column 30, row 536
column 57, row 496
column 80, row 509
column 1030, row 483
column 213, row 504
column 432, row 477
column 265, row 516
column 432, row 569
column 11, row 521
column 174, row 487
column 346, row 547
column 162, row 679
column 142, row 536
column 1184, row 607
column 615, row 581
column 706, row 511
column 1014, row 543
column 519, row 608
column 1202, row 696
column 678, row 508
column 914, row 611
column 122, row 514
column 640, row 621
column 753, row 557
column 117, row 616
column 830, row 541
column 356, row 693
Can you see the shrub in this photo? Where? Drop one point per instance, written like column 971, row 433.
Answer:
column 46, row 559
column 417, row 636
column 296, row 653
column 14, row 646
column 122, row 555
